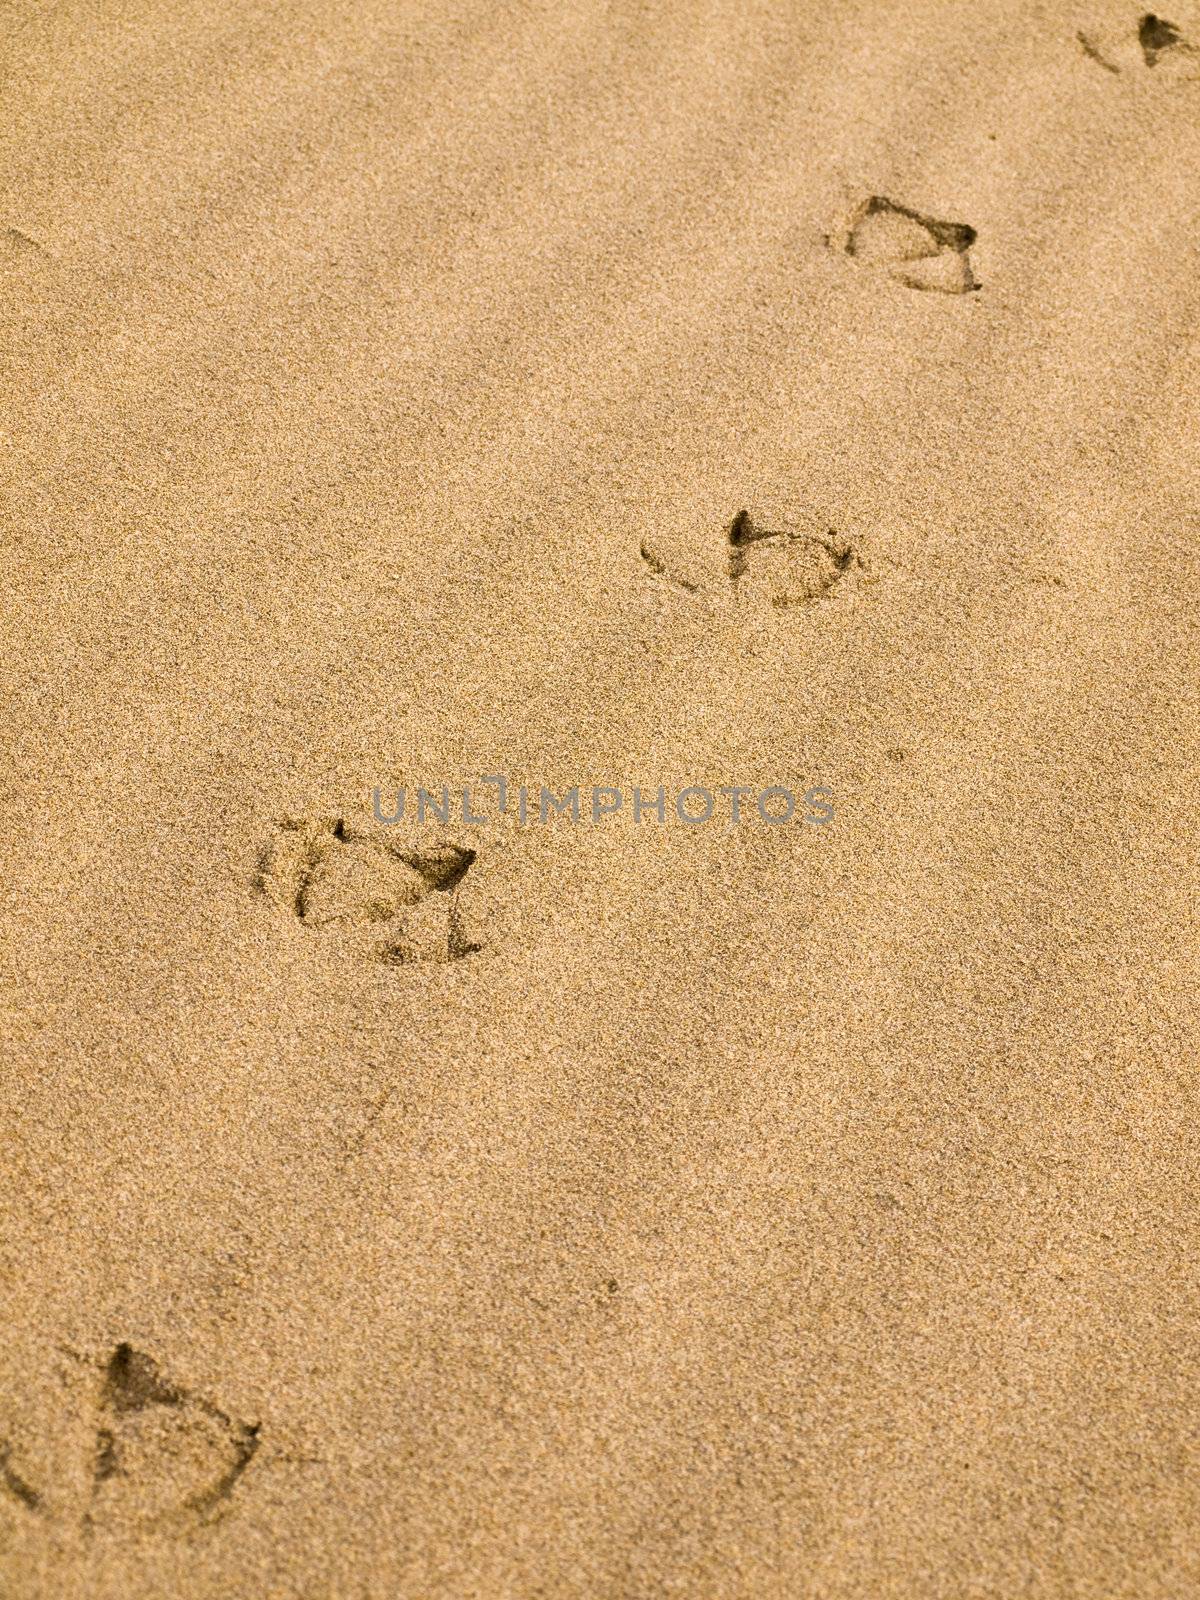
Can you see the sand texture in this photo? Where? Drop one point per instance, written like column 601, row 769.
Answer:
column 751, row 393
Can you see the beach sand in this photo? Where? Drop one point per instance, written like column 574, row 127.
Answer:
column 618, row 1209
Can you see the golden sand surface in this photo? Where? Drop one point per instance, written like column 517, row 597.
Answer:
column 747, row 393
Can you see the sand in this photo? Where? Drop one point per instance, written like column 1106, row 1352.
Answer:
column 613, row 1209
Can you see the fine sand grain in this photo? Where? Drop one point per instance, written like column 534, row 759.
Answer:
column 746, row 393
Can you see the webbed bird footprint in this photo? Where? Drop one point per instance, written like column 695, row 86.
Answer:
column 332, row 876
column 919, row 251
column 768, row 559
column 1154, row 42
column 160, row 1455
column 788, row 566
column 162, row 1451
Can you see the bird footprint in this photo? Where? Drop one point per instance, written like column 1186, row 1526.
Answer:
column 331, row 876
column 919, row 251
column 795, row 568
column 1158, row 43
column 161, row 1456
column 782, row 565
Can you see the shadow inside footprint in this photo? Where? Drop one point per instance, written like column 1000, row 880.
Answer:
column 131, row 1383
column 921, row 252
column 1155, row 35
column 442, row 867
